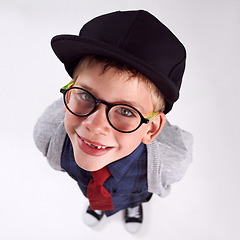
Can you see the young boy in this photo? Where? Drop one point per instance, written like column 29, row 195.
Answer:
column 126, row 70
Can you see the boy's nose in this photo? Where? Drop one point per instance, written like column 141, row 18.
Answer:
column 97, row 121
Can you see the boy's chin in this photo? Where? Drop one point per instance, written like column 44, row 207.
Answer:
column 91, row 166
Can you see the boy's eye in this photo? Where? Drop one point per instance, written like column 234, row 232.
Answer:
column 86, row 97
column 125, row 112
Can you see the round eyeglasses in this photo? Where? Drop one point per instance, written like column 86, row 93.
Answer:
column 122, row 117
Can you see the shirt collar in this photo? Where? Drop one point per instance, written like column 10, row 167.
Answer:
column 119, row 168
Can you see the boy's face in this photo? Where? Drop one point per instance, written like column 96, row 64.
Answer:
column 95, row 143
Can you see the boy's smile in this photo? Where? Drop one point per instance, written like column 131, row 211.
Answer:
column 92, row 148
column 95, row 142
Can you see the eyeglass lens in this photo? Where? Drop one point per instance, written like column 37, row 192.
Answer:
column 122, row 117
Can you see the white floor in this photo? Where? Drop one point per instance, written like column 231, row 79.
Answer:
column 37, row 202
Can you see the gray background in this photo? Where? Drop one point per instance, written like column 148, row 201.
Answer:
column 37, row 202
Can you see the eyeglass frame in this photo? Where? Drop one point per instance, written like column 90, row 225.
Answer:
column 69, row 86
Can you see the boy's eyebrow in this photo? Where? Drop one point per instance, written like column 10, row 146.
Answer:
column 134, row 104
column 77, row 84
column 131, row 103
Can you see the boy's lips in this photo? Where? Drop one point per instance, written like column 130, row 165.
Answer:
column 92, row 148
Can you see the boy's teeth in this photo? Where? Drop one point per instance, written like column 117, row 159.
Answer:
column 93, row 146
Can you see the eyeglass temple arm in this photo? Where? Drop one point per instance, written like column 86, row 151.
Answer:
column 154, row 115
column 68, row 85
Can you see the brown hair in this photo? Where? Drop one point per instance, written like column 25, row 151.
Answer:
column 91, row 60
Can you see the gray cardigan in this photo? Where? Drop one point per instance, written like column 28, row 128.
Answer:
column 169, row 154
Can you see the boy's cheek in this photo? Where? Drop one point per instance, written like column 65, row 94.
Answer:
column 70, row 122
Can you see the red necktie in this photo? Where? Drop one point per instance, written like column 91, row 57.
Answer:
column 99, row 197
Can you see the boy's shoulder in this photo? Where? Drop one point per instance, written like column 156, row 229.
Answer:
column 173, row 144
column 174, row 137
column 169, row 155
column 49, row 133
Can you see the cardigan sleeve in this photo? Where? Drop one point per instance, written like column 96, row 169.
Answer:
column 168, row 158
column 49, row 133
